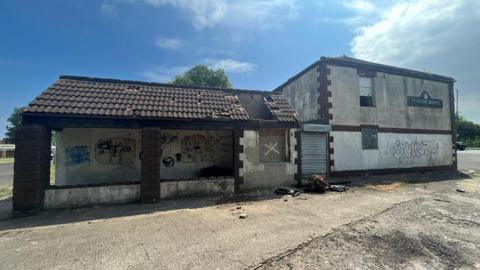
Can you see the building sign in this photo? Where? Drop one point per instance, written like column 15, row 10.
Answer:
column 424, row 100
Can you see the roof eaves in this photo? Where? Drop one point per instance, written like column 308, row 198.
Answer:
column 353, row 62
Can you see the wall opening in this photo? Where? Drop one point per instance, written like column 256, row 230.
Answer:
column 102, row 156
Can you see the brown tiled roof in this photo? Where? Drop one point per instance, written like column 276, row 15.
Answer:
column 281, row 109
column 107, row 97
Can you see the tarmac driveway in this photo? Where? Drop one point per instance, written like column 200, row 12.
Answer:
column 201, row 234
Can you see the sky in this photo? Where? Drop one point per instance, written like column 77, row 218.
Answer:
column 259, row 44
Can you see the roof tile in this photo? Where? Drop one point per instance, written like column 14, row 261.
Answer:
column 102, row 97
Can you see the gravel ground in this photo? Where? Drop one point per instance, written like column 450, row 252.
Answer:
column 441, row 231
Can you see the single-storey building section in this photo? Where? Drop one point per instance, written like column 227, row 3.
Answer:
column 122, row 141
column 360, row 117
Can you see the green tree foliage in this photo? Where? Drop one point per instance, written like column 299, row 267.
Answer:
column 15, row 120
column 201, row 75
column 468, row 132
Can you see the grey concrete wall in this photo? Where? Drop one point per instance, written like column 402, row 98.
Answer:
column 302, row 93
column 81, row 160
column 390, row 93
column 257, row 174
column 195, row 188
column 89, row 196
column 395, row 150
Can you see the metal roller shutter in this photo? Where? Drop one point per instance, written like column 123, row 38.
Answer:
column 314, row 153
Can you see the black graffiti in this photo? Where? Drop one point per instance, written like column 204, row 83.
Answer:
column 166, row 139
column 168, row 162
column 112, row 147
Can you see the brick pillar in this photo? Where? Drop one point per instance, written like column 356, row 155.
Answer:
column 32, row 167
column 237, row 162
column 150, row 164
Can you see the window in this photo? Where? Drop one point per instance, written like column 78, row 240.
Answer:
column 272, row 145
column 366, row 91
column 369, row 138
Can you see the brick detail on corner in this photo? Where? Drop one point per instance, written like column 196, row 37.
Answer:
column 298, row 160
column 238, row 162
column 150, row 165
column 32, row 167
column 324, row 92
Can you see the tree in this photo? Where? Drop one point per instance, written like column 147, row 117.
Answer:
column 468, row 132
column 15, row 120
column 201, row 75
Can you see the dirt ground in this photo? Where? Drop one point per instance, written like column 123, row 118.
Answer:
column 439, row 231
column 407, row 221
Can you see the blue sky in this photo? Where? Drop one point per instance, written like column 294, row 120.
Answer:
column 260, row 44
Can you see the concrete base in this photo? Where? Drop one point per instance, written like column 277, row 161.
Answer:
column 89, row 196
column 197, row 188
column 119, row 194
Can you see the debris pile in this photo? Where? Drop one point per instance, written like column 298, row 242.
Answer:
column 287, row 191
column 318, row 183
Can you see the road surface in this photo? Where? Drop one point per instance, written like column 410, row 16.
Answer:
column 469, row 160
column 6, row 174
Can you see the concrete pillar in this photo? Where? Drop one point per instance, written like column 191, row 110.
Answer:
column 32, row 167
column 150, row 165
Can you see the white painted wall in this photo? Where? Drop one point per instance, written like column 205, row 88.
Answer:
column 216, row 151
column 257, row 174
column 390, row 94
column 212, row 148
column 89, row 170
column 395, row 150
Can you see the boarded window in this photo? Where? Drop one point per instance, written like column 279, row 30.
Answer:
column 366, row 91
column 369, row 138
column 272, row 145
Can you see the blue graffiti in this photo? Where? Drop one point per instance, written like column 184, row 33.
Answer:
column 75, row 155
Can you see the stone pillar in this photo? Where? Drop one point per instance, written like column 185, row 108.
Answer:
column 31, row 171
column 150, row 164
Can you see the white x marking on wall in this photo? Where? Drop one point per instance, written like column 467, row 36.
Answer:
column 271, row 148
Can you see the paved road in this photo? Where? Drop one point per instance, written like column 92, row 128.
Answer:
column 6, row 174
column 469, row 160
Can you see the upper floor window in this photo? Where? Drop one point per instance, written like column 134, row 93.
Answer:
column 366, row 91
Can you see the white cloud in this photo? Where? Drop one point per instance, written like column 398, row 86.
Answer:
column 109, row 9
column 258, row 14
column 169, row 43
column 231, row 65
column 360, row 6
column 440, row 36
column 163, row 73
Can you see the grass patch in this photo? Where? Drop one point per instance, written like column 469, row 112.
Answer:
column 6, row 191
column 52, row 174
column 6, row 160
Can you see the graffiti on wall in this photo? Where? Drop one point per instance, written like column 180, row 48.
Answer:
column 75, row 155
column 167, row 139
column 199, row 148
column 115, row 151
column 414, row 149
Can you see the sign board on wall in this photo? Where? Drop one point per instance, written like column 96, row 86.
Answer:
column 424, row 100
